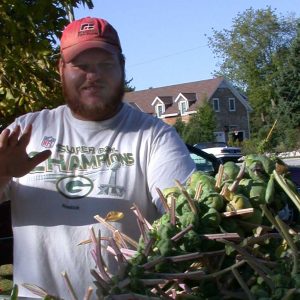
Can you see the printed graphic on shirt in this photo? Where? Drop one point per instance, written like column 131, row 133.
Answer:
column 48, row 142
column 112, row 188
column 78, row 171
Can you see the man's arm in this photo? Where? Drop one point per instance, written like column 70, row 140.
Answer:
column 170, row 161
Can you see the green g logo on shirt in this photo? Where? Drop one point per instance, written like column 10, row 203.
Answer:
column 74, row 187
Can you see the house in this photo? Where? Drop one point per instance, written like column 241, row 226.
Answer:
column 182, row 100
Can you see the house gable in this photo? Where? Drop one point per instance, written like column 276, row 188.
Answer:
column 161, row 104
column 184, row 102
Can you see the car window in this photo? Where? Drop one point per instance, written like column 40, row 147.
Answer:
column 202, row 164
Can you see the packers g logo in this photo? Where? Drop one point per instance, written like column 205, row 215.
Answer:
column 74, row 187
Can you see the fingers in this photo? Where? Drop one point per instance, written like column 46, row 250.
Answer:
column 25, row 137
column 14, row 136
column 10, row 138
column 39, row 158
column 4, row 139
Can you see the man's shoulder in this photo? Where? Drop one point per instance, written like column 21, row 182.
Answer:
column 41, row 115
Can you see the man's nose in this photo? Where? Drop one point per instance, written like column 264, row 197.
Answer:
column 94, row 72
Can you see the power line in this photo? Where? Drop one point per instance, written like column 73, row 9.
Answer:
column 166, row 56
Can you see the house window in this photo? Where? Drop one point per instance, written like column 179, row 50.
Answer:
column 231, row 103
column 216, row 104
column 159, row 110
column 182, row 107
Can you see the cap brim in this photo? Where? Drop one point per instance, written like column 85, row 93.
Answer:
column 71, row 52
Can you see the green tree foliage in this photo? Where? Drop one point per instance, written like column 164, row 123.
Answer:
column 128, row 87
column 251, row 53
column 288, row 85
column 285, row 110
column 179, row 126
column 29, row 32
column 201, row 126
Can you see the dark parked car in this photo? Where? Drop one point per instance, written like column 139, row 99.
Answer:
column 204, row 161
column 221, row 150
column 209, row 163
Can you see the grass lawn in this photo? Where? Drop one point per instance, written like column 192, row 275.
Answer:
column 6, row 283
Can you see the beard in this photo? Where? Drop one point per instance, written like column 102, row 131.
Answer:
column 102, row 110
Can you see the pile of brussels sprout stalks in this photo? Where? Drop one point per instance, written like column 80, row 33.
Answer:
column 232, row 236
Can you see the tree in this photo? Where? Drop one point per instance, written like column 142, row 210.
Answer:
column 251, row 52
column 287, row 85
column 201, row 126
column 128, row 87
column 29, row 31
column 179, row 126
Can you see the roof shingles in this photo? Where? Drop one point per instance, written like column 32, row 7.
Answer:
column 195, row 92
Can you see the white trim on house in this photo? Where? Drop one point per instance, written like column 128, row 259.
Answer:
column 192, row 112
column 157, row 111
column 157, row 105
column 183, row 107
column 170, row 115
column 157, row 99
column 180, row 95
column 182, row 99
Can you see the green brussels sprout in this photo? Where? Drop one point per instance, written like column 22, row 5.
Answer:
column 258, row 291
column 245, row 186
column 238, row 201
column 281, row 280
column 255, row 218
column 165, row 246
column 228, row 225
column 257, row 193
column 211, row 218
column 214, row 200
column 171, row 192
column 188, row 218
column 269, row 164
column 257, row 172
column 207, row 182
column 231, row 170
column 192, row 241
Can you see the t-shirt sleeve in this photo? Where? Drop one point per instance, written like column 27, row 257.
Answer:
column 169, row 160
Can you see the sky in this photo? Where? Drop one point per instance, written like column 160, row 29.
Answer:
column 165, row 41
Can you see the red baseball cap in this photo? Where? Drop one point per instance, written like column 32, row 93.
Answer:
column 87, row 33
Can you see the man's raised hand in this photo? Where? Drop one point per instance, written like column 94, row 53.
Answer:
column 14, row 160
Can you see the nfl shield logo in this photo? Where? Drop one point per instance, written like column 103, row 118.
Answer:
column 48, row 142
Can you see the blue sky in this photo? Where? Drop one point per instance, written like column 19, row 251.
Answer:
column 164, row 41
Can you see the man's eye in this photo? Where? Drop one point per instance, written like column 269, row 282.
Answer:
column 81, row 67
column 107, row 65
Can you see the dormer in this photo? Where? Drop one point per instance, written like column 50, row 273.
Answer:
column 184, row 101
column 161, row 104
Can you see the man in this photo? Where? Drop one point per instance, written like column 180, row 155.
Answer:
column 94, row 155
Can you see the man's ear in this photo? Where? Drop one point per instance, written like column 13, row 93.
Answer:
column 60, row 66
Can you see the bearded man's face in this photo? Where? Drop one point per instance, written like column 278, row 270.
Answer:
column 93, row 84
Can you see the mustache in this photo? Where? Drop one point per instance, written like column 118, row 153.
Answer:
column 92, row 85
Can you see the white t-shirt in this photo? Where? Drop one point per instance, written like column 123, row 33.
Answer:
column 95, row 168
